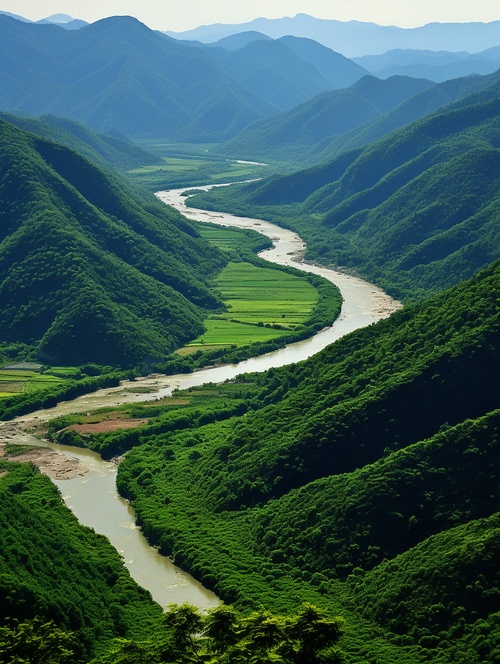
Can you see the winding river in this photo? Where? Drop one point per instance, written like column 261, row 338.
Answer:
column 93, row 496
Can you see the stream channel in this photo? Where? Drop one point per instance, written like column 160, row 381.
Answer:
column 93, row 497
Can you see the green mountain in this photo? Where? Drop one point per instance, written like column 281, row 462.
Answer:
column 346, row 119
column 66, row 585
column 120, row 77
column 90, row 271
column 364, row 478
column 431, row 100
column 416, row 210
column 100, row 148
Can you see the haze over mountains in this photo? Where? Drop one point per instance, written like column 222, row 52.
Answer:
column 355, row 38
column 435, row 65
column 341, row 120
column 363, row 480
column 118, row 75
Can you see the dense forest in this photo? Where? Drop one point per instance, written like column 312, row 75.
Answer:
column 416, row 210
column 346, row 508
column 363, row 480
column 90, row 270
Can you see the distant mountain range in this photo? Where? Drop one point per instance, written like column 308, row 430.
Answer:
column 356, row 38
column 119, row 76
column 345, row 119
column 435, row 65
column 62, row 20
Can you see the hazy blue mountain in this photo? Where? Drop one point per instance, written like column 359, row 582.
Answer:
column 239, row 40
column 16, row 16
column 308, row 128
column 334, row 67
column 118, row 76
column 273, row 70
column 347, row 119
column 435, row 65
column 75, row 24
column 356, row 38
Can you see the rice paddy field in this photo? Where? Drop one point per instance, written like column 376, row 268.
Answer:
column 184, row 165
column 262, row 304
column 21, row 380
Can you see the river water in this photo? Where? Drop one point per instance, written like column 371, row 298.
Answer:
column 93, row 497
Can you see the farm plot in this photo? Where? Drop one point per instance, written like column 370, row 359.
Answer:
column 262, row 304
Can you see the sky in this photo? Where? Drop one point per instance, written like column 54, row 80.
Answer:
column 178, row 15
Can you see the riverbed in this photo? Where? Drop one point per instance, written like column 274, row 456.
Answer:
column 93, row 496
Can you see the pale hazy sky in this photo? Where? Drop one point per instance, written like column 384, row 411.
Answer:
column 186, row 14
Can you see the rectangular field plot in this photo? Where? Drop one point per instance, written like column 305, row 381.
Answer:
column 21, row 381
column 262, row 304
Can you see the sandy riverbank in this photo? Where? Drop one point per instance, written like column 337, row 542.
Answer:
column 54, row 464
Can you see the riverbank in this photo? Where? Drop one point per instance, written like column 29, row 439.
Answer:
column 94, row 498
column 57, row 466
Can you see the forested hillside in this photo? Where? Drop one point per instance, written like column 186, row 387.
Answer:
column 416, row 211
column 103, row 149
column 306, row 130
column 52, row 570
column 120, row 77
column 366, row 478
column 90, row 271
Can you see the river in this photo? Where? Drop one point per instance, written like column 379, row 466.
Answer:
column 93, row 498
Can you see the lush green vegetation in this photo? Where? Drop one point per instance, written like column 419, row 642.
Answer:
column 101, row 149
column 343, row 120
column 373, row 465
column 184, row 165
column 261, row 304
column 91, row 271
column 416, row 211
column 302, row 134
column 220, row 636
column 54, row 570
column 66, row 598
column 25, row 391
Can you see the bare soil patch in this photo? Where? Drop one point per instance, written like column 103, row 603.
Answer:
column 108, row 425
column 57, row 466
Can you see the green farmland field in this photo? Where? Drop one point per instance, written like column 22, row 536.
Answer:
column 14, row 382
column 190, row 165
column 262, row 304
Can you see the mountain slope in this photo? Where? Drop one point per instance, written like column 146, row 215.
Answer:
column 120, row 77
column 417, row 210
column 343, row 120
column 307, row 128
column 54, row 569
column 422, row 104
column 87, row 271
column 367, row 475
column 100, row 148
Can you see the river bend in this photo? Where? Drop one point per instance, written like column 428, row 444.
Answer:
column 93, row 497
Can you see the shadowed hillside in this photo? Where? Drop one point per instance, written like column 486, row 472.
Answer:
column 89, row 271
